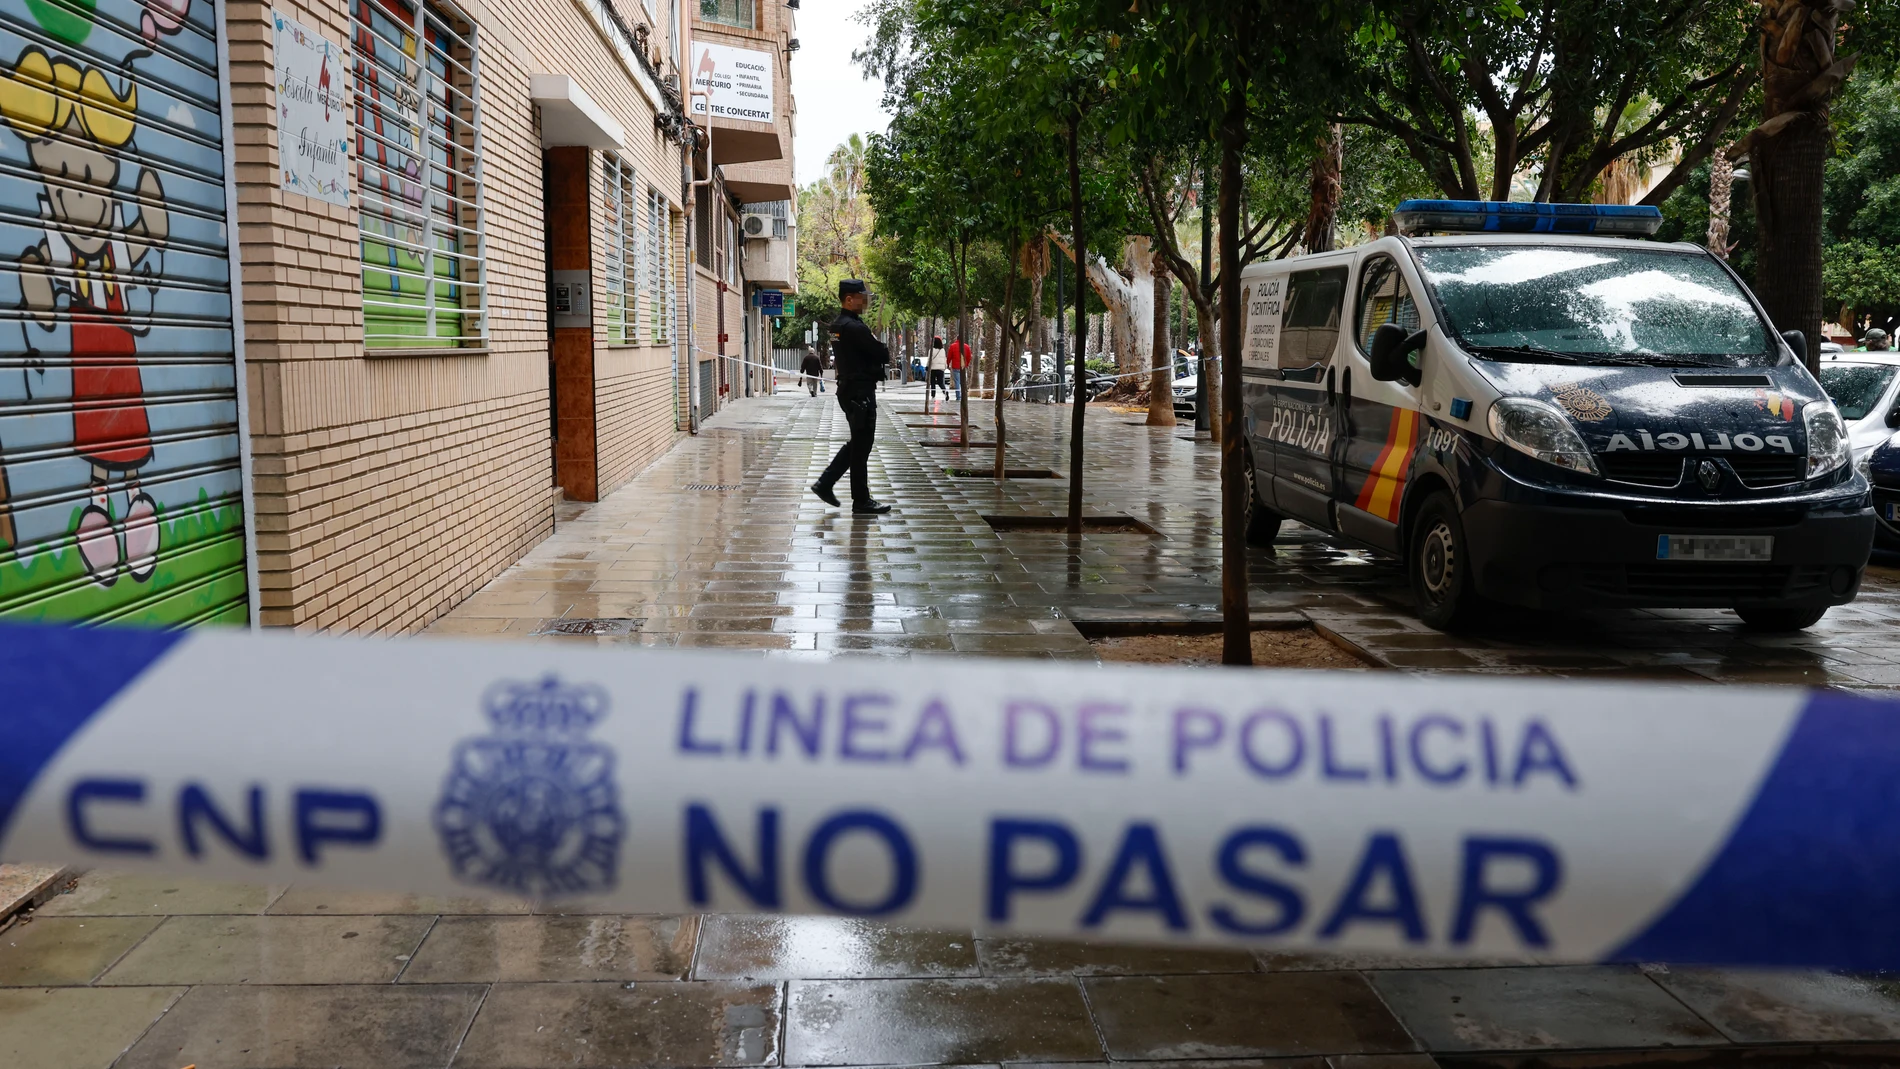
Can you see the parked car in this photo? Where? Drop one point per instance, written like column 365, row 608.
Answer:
column 1866, row 388
column 1530, row 404
column 1185, row 396
column 1187, row 380
column 1881, row 465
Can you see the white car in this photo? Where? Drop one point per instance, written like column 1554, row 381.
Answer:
column 1185, row 388
column 1866, row 388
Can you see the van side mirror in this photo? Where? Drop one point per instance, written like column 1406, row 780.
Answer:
column 1893, row 415
column 1798, row 342
column 1391, row 346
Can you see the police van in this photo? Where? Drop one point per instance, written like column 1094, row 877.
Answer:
column 1531, row 404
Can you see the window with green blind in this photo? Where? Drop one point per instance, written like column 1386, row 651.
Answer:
column 621, row 253
column 418, row 161
column 659, row 270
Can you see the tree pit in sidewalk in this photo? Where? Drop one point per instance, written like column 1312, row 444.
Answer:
column 1009, row 473
column 1060, row 525
column 1299, row 647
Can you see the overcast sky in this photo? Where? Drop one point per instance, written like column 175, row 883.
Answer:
column 834, row 100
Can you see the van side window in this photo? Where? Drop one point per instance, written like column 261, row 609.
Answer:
column 1309, row 330
column 1383, row 298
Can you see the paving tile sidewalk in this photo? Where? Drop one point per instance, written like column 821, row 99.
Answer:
column 289, row 979
column 720, row 545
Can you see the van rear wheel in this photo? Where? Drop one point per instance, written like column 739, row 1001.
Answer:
column 1438, row 562
column 1778, row 618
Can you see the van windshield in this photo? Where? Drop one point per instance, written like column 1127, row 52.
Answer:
column 1593, row 305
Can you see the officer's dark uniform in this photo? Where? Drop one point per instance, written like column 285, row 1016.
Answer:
column 860, row 359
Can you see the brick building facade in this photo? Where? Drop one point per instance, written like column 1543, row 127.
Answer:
column 392, row 480
column 360, row 288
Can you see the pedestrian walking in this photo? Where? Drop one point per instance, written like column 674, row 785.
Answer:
column 812, row 372
column 958, row 356
column 1875, row 341
column 939, row 364
column 861, row 360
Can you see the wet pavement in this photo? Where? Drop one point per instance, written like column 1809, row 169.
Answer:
column 720, row 545
column 282, row 978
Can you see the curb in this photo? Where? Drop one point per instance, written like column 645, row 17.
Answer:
column 1348, row 645
column 24, row 886
column 1110, row 624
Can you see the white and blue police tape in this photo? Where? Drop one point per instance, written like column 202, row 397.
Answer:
column 1458, row 817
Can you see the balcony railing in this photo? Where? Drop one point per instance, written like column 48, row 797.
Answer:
column 727, row 12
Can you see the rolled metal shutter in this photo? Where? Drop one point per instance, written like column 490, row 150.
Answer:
column 120, row 489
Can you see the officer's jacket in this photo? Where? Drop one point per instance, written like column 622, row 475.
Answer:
column 859, row 356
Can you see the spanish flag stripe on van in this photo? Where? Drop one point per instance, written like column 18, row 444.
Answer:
column 1380, row 495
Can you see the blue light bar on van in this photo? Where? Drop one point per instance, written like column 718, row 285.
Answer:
column 1517, row 217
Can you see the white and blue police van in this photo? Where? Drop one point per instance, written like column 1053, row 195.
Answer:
column 1532, row 404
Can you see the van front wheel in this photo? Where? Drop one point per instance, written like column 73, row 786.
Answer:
column 1439, row 565
column 1263, row 524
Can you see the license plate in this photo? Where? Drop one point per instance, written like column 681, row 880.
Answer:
column 1715, row 547
column 1892, row 509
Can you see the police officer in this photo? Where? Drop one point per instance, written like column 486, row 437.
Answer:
column 861, row 360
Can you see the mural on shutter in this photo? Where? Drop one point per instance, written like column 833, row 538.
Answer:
column 120, row 495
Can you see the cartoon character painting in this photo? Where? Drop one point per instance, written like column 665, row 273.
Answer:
column 75, row 123
column 85, row 286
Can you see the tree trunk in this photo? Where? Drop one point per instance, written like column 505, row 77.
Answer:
column 1721, row 190
column 991, row 351
column 963, row 331
column 1079, row 400
column 1204, row 305
column 1210, row 366
column 1236, row 496
column 1326, row 190
column 1038, row 330
column 1161, row 378
column 1129, row 319
column 1787, row 156
column 1136, row 325
column 1005, row 358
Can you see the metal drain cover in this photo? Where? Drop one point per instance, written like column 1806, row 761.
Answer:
column 609, row 626
column 716, row 487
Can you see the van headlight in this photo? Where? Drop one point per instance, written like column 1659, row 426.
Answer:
column 1827, row 438
column 1538, row 430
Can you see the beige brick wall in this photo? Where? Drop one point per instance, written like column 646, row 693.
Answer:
column 390, row 487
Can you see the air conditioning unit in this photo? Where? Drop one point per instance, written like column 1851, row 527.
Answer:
column 759, row 225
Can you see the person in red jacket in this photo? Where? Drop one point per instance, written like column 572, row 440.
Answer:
column 958, row 357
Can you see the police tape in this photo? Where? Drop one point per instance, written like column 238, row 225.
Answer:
column 795, row 373
column 1461, row 818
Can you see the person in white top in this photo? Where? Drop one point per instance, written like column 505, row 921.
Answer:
column 938, row 367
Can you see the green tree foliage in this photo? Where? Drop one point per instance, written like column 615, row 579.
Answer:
column 1861, row 271
column 1482, row 93
column 834, row 221
column 1379, row 174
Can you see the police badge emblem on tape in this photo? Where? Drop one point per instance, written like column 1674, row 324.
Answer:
column 532, row 809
